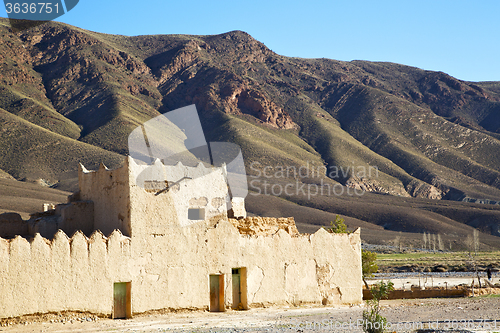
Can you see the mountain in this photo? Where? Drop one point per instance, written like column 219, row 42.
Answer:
column 423, row 145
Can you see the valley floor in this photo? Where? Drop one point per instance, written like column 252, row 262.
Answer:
column 430, row 280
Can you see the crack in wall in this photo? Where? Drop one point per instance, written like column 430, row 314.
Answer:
column 260, row 284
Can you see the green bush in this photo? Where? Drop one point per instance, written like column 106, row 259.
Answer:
column 338, row 227
column 373, row 321
column 368, row 264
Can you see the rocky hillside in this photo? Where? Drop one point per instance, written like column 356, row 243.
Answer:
column 68, row 95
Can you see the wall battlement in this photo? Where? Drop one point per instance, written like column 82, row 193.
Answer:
column 42, row 275
column 171, row 173
column 157, row 170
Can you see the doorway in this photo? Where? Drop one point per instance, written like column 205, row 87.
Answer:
column 217, row 293
column 122, row 308
column 239, row 288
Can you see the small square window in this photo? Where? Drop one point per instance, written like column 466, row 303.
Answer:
column 196, row 213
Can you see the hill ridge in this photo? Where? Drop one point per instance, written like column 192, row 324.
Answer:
column 430, row 135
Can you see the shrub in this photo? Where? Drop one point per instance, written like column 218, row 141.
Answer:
column 373, row 321
column 368, row 264
column 338, row 227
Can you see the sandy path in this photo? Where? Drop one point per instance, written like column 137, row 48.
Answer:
column 475, row 313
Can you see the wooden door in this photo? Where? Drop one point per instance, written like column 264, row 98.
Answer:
column 217, row 293
column 121, row 300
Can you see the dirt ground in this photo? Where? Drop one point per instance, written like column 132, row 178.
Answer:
column 481, row 314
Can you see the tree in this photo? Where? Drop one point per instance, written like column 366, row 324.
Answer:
column 472, row 243
column 368, row 265
column 475, row 236
column 338, row 227
column 469, row 243
column 440, row 243
column 373, row 321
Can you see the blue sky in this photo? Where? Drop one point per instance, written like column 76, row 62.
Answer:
column 461, row 38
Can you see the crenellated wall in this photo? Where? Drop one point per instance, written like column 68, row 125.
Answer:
column 64, row 273
column 172, row 271
column 166, row 256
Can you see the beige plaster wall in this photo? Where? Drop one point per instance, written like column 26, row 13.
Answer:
column 322, row 268
column 109, row 190
column 172, row 270
column 71, row 217
column 78, row 215
column 75, row 273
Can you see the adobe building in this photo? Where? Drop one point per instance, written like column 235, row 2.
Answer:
column 139, row 245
